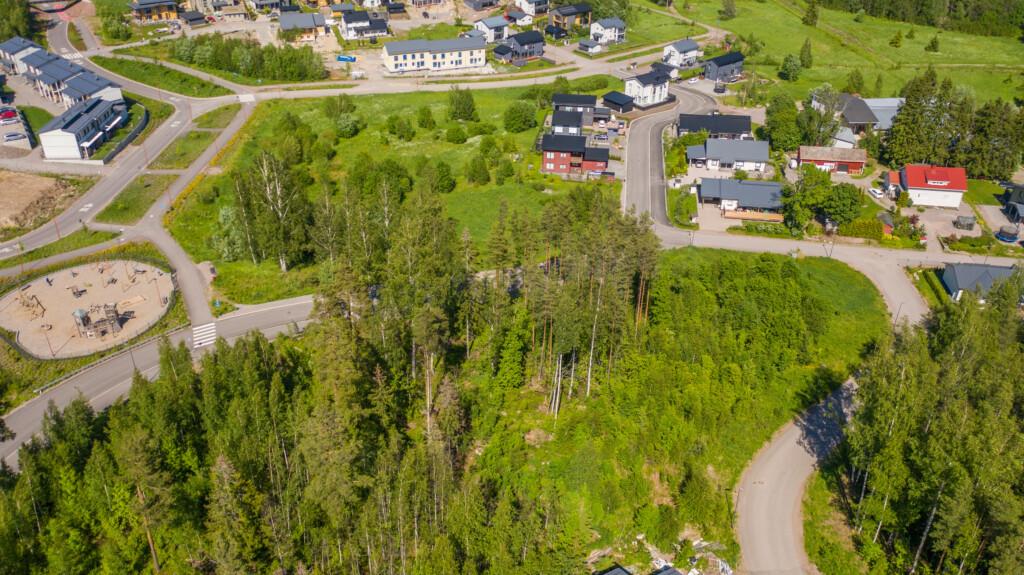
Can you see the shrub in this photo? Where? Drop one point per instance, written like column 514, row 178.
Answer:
column 455, row 135
column 400, row 127
column 476, row 171
column 933, row 45
column 520, row 116
column 349, row 125
column 864, row 228
column 481, row 129
column 425, row 118
column 791, row 68
column 461, row 105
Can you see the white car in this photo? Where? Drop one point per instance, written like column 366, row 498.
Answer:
column 876, row 193
column 10, row 121
column 694, row 80
column 13, row 137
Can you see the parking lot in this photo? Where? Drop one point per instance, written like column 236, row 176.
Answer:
column 14, row 132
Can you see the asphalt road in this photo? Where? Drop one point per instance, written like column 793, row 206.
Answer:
column 106, row 381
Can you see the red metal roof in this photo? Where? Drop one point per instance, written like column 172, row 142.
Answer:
column 935, row 178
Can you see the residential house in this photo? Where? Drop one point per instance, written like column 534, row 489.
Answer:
column 608, row 31
column 234, row 14
column 13, row 52
column 650, row 89
column 614, row 570
column 426, row 3
column 357, row 25
column 495, row 28
column 746, row 155
column 65, row 82
column 302, row 26
column 842, row 160
column 570, row 16
column 576, row 103
column 718, row 126
column 555, row 32
column 533, row 7
column 936, row 186
column 266, row 5
column 154, row 10
column 975, row 278
column 1013, row 204
column 617, row 101
column 519, row 18
column 396, row 10
column 521, row 48
column 567, row 123
column 724, row 68
column 671, row 71
column 480, row 5
column 193, row 18
column 588, row 46
column 79, row 131
column 339, row 10
column 571, row 155
column 746, row 195
column 863, row 114
column 844, row 138
column 435, row 55
column 681, row 54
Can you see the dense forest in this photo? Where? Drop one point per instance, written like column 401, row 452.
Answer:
column 437, row 418
column 936, row 451
column 15, row 19
column 988, row 17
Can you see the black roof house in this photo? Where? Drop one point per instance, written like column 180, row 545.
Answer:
column 652, row 78
column 978, row 278
column 558, row 143
column 574, row 100
column 567, row 118
column 715, row 125
column 527, row 38
column 614, row 570
column 727, row 59
column 618, row 101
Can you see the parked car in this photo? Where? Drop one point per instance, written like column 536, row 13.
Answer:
column 10, row 121
column 719, row 88
column 8, row 114
column 346, row 58
column 876, row 193
column 694, row 80
column 14, row 137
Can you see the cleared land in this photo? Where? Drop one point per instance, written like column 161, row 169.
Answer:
column 29, row 200
column 161, row 77
column 991, row 67
column 133, row 201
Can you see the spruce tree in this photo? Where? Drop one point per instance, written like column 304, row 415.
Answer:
column 806, row 59
column 811, row 15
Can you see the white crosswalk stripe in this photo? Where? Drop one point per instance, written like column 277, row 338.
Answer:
column 204, row 335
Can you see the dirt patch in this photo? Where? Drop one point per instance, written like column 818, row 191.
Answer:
column 535, row 437
column 661, row 493
column 30, row 199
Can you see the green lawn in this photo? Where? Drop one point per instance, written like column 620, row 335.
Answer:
column 218, row 117
column 983, row 192
column 133, row 201
column 75, row 38
column 929, row 283
column 161, row 77
column 158, row 112
column 75, row 240
column 183, row 151
column 439, row 31
column 194, row 219
column 647, row 27
column 36, row 117
column 135, row 112
column 989, row 66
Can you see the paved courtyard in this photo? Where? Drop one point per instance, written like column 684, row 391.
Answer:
column 42, row 313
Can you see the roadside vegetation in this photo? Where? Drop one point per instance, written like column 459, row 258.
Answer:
column 21, row 373
column 158, row 113
column 337, row 149
column 928, row 282
column 184, row 150
column 161, row 77
column 73, row 240
column 828, row 538
column 218, row 118
column 136, row 199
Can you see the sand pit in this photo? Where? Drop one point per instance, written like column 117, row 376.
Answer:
column 86, row 309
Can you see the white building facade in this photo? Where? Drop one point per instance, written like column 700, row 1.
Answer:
column 467, row 54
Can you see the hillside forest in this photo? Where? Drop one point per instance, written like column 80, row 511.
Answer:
column 442, row 418
column 987, row 17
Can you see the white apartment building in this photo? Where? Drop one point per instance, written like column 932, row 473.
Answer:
column 435, row 55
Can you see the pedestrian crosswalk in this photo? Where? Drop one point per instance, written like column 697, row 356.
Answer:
column 204, row 335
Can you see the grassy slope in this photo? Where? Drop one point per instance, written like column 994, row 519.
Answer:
column 826, row 536
column 133, row 201
column 162, row 51
column 158, row 112
column 75, row 240
column 183, row 151
column 981, row 63
column 36, row 117
column 218, row 117
column 161, row 77
column 193, row 222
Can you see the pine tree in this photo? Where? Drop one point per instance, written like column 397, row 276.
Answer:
column 806, row 59
column 879, row 86
column 461, row 105
column 728, row 11
column 234, row 525
column 791, row 68
column 897, row 40
column 811, row 15
column 854, row 82
column 933, row 45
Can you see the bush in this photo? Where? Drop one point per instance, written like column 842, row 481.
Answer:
column 455, row 135
column 481, row 129
column 933, row 45
column 520, row 116
column 461, row 105
column 870, row 229
column 476, row 171
column 349, row 125
column 425, row 118
column 400, row 127
column 339, row 105
column 791, row 68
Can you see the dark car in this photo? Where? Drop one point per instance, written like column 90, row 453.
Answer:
column 719, row 88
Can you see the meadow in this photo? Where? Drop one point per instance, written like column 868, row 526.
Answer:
column 161, row 77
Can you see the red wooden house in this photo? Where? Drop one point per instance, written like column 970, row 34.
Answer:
column 571, row 155
column 842, row 160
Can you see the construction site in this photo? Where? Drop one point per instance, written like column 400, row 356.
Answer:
column 86, row 309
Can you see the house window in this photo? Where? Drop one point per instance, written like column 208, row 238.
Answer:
column 549, row 166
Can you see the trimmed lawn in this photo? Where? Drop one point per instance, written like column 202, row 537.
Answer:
column 36, row 117
column 158, row 112
column 218, row 117
column 983, row 192
column 75, row 240
column 183, row 151
column 135, row 112
column 928, row 282
column 161, row 77
column 194, row 220
column 133, row 201
column 439, row 31
column 839, row 45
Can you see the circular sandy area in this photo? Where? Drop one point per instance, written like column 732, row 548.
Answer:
column 86, row 309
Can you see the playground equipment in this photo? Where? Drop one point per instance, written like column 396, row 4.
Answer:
column 108, row 322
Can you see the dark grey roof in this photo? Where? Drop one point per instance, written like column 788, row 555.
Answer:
column 301, row 21
column 614, row 570
column 502, row 50
column 756, row 194
column 573, row 100
column 434, row 46
column 344, row 7
column 559, row 143
column 377, row 25
column 38, row 59
column 88, row 83
column 973, row 277
column 149, row 3
column 617, row 98
column 686, row 45
column 17, row 44
column 715, row 123
column 856, row 111
column 727, row 59
column 493, row 22
column 78, row 116
column 731, row 151
column 571, row 9
column 555, row 31
column 516, row 14
column 652, row 78
column 192, row 17
column 588, row 43
column 564, row 118
column 596, row 155
column 612, row 23
column 527, row 38
column 355, row 17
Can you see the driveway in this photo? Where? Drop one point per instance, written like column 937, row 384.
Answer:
column 938, row 222
column 994, row 217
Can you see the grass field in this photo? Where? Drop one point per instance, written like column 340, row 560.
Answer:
column 991, row 67
column 28, row 373
column 36, row 117
column 983, row 192
column 133, row 201
column 75, row 240
column 158, row 112
column 194, row 219
column 161, row 77
column 183, row 151
column 219, row 117
column 648, row 27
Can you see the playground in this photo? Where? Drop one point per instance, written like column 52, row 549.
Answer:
column 86, row 309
